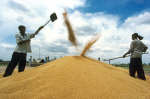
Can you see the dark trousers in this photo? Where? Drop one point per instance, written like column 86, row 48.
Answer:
column 16, row 58
column 136, row 66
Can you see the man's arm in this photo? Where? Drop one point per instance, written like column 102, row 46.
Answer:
column 144, row 49
column 24, row 41
column 130, row 50
column 36, row 32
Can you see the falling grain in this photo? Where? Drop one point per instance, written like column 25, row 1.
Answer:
column 71, row 35
column 89, row 44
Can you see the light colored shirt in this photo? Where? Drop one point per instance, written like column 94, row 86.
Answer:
column 24, row 47
column 137, row 48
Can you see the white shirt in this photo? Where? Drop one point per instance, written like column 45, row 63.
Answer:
column 24, row 47
column 136, row 48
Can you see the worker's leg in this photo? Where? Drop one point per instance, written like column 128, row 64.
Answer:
column 12, row 64
column 132, row 69
column 140, row 71
column 22, row 62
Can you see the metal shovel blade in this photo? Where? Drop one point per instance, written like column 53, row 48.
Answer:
column 53, row 17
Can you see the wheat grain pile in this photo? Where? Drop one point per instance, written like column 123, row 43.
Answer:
column 74, row 77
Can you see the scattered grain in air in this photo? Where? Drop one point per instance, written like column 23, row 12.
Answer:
column 71, row 34
column 89, row 45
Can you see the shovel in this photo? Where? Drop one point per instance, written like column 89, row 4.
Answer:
column 53, row 17
column 122, row 57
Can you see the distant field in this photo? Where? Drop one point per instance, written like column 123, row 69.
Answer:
column 3, row 63
column 146, row 68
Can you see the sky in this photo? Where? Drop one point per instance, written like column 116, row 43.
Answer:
column 113, row 20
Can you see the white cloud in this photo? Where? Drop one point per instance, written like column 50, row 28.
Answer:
column 33, row 13
column 6, row 45
column 115, row 38
column 6, row 50
column 52, row 40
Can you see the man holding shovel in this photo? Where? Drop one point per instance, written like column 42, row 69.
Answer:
column 23, row 47
column 137, row 47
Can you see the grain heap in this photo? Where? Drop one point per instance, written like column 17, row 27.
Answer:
column 74, row 77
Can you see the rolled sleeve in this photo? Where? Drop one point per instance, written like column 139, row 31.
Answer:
column 144, row 45
column 31, row 35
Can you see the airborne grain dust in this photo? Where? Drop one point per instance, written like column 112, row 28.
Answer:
column 89, row 44
column 71, row 34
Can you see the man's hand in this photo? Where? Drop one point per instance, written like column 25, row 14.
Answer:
column 41, row 27
column 124, row 56
column 145, row 49
column 24, row 41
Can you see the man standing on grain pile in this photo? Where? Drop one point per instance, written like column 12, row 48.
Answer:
column 23, row 47
column 137, row 47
